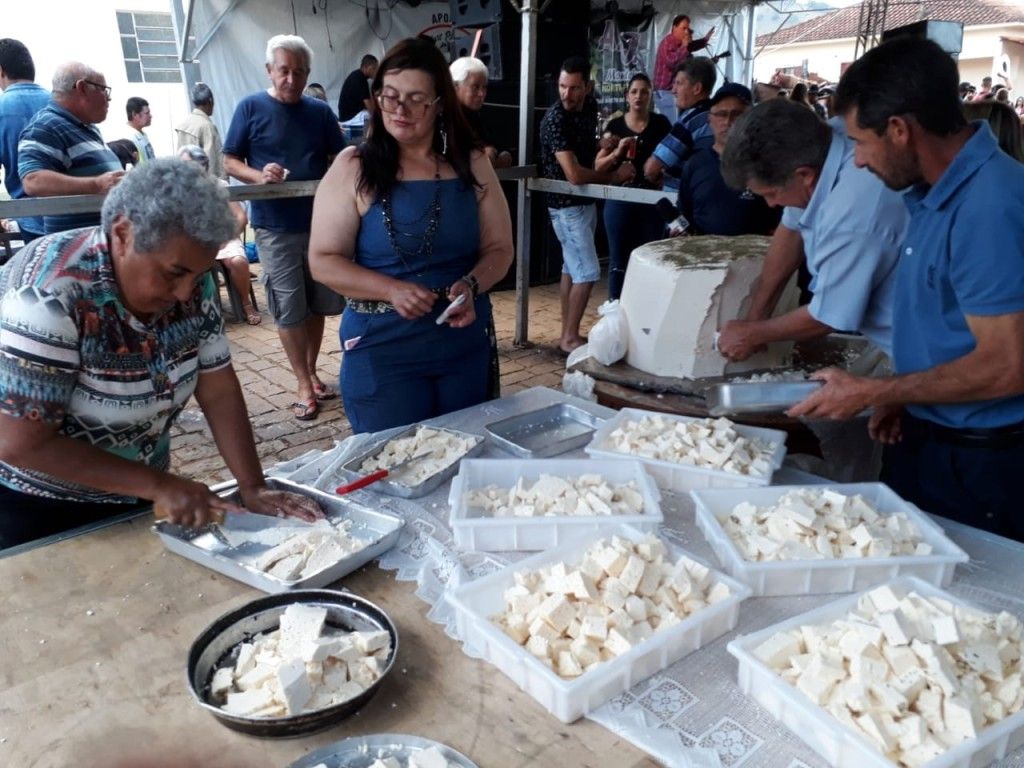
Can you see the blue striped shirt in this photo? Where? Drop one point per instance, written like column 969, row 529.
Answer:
column 55, row 140
column 690, row 132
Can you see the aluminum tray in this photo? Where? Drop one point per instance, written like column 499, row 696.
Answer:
column 757, row 396
column 361, row 751
column 202, row 546
column 546, row 432
column 218, row 643
column 353, row 467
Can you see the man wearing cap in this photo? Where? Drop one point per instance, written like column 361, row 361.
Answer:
column 840, row 217
column 707, row 202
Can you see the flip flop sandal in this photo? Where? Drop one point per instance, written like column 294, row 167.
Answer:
column 324, row 392
column 252, row 317
column 306, row 411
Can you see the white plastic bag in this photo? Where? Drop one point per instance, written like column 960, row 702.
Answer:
column 609, row 338
column 579, row 385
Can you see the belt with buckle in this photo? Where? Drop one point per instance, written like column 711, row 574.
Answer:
column 375, row 307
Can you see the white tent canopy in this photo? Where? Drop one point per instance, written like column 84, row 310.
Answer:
column 230, row 35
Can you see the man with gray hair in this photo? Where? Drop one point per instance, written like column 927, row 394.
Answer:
column 840, row 217
column 200, row 130
column 280, row 134
column 61, row 151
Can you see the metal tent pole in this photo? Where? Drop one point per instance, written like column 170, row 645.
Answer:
column 528, row 11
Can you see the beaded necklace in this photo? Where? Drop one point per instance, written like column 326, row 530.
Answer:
column 433, row 211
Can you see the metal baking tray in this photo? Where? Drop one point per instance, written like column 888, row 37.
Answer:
column 361, row 751
column 757, row 396
column 202, row 546
column 546, row 432
column 218, row 644
column 353, row 467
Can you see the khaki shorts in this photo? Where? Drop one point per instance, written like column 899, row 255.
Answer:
column 292, row 293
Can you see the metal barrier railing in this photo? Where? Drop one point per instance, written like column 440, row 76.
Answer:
column 524, row 174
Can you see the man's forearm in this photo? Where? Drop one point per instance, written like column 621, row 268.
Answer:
column 798, row 325
column 53, row 184
column 967, row 379
column 239, row 170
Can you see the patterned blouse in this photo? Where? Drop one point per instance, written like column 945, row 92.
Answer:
column 72, row 354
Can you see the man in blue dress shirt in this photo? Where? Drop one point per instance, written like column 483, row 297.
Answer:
column 842, row 218
column 19, row 102
column 953, row 416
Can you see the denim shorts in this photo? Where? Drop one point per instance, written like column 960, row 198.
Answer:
column 292, row 293
column 575, row 227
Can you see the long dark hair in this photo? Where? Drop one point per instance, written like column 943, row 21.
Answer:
column 378, row 154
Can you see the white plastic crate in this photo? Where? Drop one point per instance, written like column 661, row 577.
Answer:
column 672, row 476
column 474, row 531
column 840, row 746
column 810, row 577
column 568, row 700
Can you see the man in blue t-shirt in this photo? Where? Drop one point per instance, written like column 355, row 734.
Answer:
column 19, row 102
column 953, row 416
column 277, row 135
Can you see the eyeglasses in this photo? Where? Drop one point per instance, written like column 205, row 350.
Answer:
column 415, row 106
column 107, row 90
column 727, row 114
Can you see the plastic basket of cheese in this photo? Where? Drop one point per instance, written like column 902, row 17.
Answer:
column 500, row 505
column 584, row 621
column 794, row 540
column 682, row 452
column 905, row 674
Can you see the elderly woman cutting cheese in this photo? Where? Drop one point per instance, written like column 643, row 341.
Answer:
column 105, row 333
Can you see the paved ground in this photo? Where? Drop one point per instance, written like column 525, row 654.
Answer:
column 270, row 387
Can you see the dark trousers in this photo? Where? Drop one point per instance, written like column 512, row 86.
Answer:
column 628, row 226
column 24, row 517
column 973, row 481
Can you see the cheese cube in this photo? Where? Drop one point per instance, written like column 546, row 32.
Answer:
column 295, row 688
column 962, row 717
column 431, row 757
column 222, row 681
column 945, row 630
column 778, row 649
column 872, row 725
column 884, row 599
column 632, row 573
column 895, row 626
column 581, row 586
column 248, row 702
column 557, row 611
column 568, row 665
column 587, row 653
column 617, row 642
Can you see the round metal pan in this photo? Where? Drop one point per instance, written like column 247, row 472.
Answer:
column 361, row 751
column 219, row 641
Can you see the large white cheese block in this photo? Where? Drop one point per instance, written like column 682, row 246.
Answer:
column 679, row 292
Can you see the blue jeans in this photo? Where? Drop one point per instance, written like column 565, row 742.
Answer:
column 629, row 225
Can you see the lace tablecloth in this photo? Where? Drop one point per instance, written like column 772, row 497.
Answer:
column 692, row 713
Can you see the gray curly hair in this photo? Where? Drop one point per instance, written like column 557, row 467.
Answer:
column 167, row 197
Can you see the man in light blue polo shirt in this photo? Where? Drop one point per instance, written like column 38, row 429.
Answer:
column 19, row 102
column 953, row 417
column 842, row 218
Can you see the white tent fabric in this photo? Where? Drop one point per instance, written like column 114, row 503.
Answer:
column 340, row 32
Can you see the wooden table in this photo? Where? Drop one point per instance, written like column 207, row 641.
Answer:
column 95, row 633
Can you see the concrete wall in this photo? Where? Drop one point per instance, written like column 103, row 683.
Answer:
column 60, row 30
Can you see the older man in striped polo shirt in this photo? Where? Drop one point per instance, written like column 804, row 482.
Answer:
column 61, row 151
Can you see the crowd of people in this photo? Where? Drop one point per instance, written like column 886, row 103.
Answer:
column 886, row 207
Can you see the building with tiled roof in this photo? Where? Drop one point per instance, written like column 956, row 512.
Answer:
column 993, row 39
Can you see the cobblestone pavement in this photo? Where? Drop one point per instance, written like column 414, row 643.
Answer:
column 269, row 386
